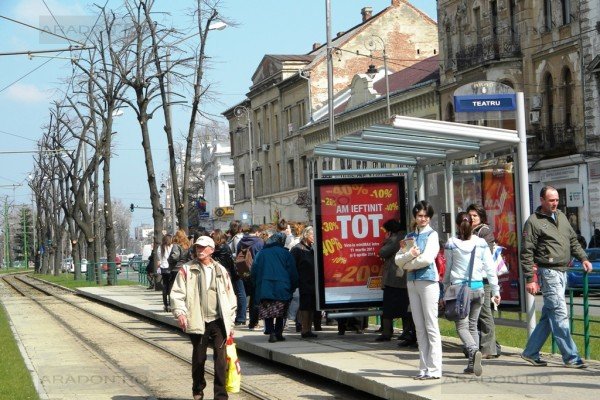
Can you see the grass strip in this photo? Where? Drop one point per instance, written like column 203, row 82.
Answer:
column 68, row 280
column 15, row 380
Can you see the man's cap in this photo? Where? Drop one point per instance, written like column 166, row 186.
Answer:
column 205, row 241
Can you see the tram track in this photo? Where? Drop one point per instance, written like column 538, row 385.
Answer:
column 41, row 295
column 262, row 379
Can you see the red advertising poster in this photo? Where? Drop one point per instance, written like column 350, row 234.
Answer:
column 349, row 217
column 498, row 191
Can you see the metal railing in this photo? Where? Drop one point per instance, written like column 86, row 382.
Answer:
column 488, row 49
column 586, row 319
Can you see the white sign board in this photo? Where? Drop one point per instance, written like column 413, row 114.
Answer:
column 574, row 195
column 556, row 174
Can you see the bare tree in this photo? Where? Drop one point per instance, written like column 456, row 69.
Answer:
column 206, row 13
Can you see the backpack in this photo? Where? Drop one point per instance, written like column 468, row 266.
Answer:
column 243, row 262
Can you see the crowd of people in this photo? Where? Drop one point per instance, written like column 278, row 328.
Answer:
column 268, row 273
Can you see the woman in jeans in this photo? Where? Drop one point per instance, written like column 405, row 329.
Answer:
column 459, row 252
column 486, row 324
column 417, row 258
column 163, row 263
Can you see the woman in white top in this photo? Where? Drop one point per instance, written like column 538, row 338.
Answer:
column 163, row 263
column 458, row 256
column 418, row 263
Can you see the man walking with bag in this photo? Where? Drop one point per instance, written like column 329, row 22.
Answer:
column 549, row 241
column 204, row 303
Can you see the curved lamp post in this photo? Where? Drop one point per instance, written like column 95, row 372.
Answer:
column 371, row 45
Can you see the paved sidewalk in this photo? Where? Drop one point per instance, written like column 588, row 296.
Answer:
column 383, row 369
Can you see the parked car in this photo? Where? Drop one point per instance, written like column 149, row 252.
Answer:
column 67, row 264
column 83, row 266
column 105, row 264
column 575, row 273
column 135, row 261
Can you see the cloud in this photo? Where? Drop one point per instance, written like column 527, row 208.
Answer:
column 26, row 93
column 30, row 11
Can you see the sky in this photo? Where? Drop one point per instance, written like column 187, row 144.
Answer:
column 28, row 86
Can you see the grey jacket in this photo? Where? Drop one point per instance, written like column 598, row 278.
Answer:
column 548, row 243
column 388, row 252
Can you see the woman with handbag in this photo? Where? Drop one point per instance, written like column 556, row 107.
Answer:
column 417, row 258
column 468, row 262
column 486, row 324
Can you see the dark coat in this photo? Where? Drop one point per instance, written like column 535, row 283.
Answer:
column 254, row 242
column 223, row 256
column 305, row 264
column 484, row 231
column 274, row 275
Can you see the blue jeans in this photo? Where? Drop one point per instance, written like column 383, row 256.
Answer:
column 555, row 318
column 467, row 327
column 240, row 293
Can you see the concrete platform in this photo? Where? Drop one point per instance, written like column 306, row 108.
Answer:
column 383, row 369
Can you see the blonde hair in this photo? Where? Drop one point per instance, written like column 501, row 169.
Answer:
column 181, row 239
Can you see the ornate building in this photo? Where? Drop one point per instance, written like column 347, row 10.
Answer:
column 287, row 105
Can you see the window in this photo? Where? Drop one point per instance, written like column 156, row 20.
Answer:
column 494, row 18
column 568, row 97
column 301, row 114
column 276, row 179
column 450, row 113
column 291, row 174
column 302, row 171
column 548, row 15
column 242, row 187
column 549, row 101
column 449, row 53
column 513, row 18
column 477, row 20
column 565, row 6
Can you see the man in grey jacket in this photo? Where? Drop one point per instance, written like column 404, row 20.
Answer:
column 204, row 303
column 549, row 242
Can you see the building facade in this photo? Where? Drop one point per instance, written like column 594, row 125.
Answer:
column 543, row 49
column 287, row 102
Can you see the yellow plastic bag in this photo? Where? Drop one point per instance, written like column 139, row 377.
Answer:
column 234, row 372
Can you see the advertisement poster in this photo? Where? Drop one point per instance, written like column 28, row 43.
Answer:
column 498, row 191
column 349, row 218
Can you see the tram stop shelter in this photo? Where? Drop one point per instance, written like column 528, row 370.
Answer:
column 452, row 165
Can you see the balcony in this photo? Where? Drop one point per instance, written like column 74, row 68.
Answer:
column 557, row 140
column 489, row 49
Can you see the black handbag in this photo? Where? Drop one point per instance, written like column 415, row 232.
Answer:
column 458, row 297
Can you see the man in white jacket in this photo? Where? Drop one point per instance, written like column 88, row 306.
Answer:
column 204, row 303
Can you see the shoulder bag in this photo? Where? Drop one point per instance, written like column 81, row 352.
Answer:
column 458, row 296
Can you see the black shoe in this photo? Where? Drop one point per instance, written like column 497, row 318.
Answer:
column 408, row 343
column 318, row 328
column 341, row 333
column 240, row 323
column 309, row 335
column 280, row 338
column 383, row 338
column 298, row 328
column 272, row 338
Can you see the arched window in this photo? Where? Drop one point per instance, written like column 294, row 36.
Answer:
column 567, row 98
column 450, row 113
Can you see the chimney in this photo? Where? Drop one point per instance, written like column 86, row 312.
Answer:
column 396, row 3
column 367, row 13
column 316, row 45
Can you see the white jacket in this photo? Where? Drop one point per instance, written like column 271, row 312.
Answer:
column 186, row 296
column 458, row 255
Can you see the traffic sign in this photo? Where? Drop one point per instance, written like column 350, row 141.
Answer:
column 485, row 102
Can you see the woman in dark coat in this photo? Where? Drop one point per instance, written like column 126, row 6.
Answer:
column 223, row 254
column 395, row 294
column 304, row 255
column 274, row 278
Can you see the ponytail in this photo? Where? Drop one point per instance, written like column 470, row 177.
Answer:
column 463, row 222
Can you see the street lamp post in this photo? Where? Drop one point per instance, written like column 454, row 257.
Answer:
column 239, row 111
column 371, row 45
